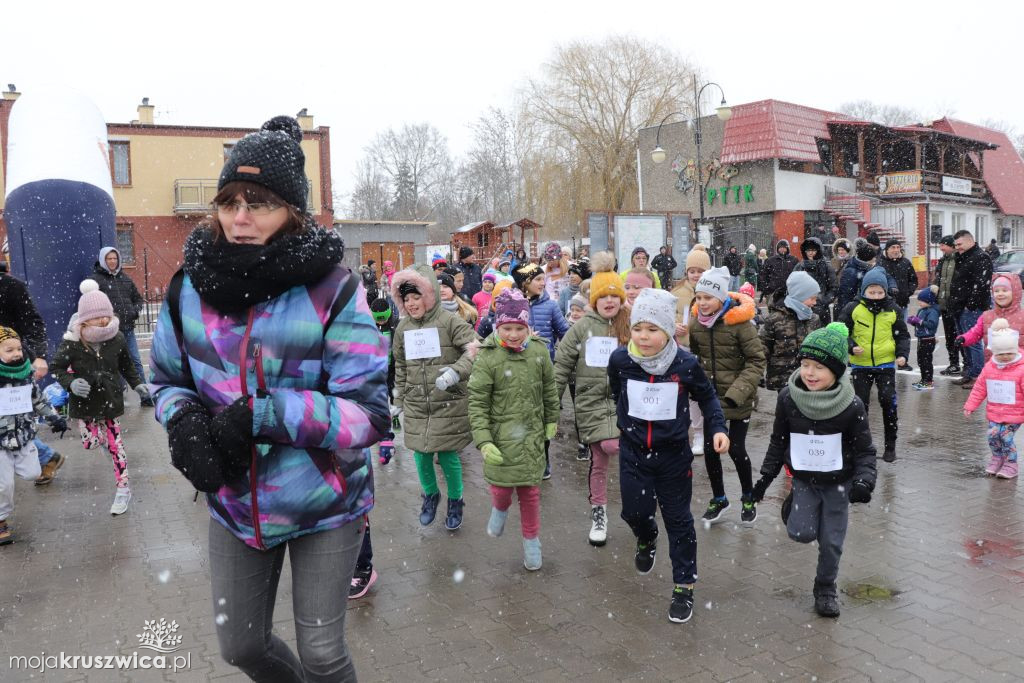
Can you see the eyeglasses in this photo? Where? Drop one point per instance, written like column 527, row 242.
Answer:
column 257, row 209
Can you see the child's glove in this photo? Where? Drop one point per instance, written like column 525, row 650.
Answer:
column 492, row 456
column 58, row 424
column 231, row 433
column 760, row 488
column 860, row 492
column 192, row 452
column 143, row 391
column 447, row 379
column 550, row 430
column 914, row 320
column 959, row 341
column 81, row 388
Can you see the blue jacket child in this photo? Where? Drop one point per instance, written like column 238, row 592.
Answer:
column 926, row 322
column 652, row 391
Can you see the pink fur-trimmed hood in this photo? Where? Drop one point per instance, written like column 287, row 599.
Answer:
column 423, row 278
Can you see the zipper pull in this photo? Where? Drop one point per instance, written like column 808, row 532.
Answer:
column 256, row 350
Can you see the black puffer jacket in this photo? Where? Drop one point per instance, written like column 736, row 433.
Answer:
column 972, row 282
column 19, row 312
column 102, row 365
column 776, row 269
column 902, row 271
column 852, row 423
column 119, row 288
column 821, row 270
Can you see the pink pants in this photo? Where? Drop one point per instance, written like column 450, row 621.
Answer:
column 529, row 506
column 600, row 453
column 106, row 433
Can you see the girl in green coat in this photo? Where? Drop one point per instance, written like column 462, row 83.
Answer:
column 513, row 409
column 583, row 354
column 433, row 351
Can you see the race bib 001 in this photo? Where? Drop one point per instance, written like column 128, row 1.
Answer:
column 652, row 401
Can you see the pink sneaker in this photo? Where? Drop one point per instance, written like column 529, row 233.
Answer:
column 994, row 465
column 1008, row 470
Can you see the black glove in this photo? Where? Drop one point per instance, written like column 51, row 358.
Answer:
column 58, row 424
column 759, row 489
column 958, row 342
column 192, row 453
column 231, row 433
column 860, row 492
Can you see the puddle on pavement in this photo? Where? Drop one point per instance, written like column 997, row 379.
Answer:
column 870, row 591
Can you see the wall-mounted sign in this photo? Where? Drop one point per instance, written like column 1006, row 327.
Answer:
column 956, row 185
column 898, row 183
column 731, row 193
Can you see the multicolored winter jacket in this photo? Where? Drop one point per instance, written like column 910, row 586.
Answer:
column 327, row 383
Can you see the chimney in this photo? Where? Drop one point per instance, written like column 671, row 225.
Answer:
column 11, row 93
column 305, row 119
column 146, row 112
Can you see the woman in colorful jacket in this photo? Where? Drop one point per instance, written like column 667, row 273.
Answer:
column 270, row 377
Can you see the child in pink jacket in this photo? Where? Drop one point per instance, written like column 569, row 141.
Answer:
column 1006, row 295
column 1001, row 383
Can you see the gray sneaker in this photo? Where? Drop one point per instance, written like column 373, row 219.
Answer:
column 121, row 498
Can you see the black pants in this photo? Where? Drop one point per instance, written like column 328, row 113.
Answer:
column 949, row 329
column 364, row 562
column 925, row 351
column 660, row 478
column 738, row 453
column 885, row 378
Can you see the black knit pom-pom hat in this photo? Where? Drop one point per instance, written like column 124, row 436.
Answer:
column 271, row 157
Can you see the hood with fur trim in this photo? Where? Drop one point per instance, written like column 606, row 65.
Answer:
column 842, row 242
column 742, row 310
column 812, row 243
column 423, row 277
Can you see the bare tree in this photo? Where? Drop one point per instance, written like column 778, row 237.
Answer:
column 493, row 166
column 583, row 114
column 1016, row 137
column 371, row 197
column 885, row 114
column 417, row 154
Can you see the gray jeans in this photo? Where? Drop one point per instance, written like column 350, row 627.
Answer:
column 820, row 512
column 244, row 591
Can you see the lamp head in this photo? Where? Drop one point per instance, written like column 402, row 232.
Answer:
column 724, row 111
column 658, row 155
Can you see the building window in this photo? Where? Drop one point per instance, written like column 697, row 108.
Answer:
column 936, row 218
column 126, row 243
column 958, row 220
column 120, row 163
column 979, row 228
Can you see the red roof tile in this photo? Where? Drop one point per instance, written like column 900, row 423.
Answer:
column 1004, row 169
column 771, row 129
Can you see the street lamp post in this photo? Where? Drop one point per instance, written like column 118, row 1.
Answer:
column 724, row 112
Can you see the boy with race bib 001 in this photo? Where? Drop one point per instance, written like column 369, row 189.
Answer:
column 821, row 431
column 652, row 381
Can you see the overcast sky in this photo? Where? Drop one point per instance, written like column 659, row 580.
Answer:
column 362, row 67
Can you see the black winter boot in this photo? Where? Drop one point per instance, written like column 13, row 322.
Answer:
column 826, row 599
column 429, row 510
column 454, row 518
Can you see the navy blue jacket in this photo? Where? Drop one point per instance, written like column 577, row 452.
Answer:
column 547, row 321
column 693, row 383
column 849, row 282
column 929, row 322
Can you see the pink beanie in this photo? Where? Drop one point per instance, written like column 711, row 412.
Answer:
column 93, row 303
column 748, row 289
column 511, row 307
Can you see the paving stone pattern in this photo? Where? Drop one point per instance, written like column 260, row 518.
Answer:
column 932, row 578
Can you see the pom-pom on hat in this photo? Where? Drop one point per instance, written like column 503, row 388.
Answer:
column 1002, row 338
column 271, row 157
column 865, row 251
column 93, row 303
column 511, row 307
column 698, row 258
column 829, row 346
column 605, row 281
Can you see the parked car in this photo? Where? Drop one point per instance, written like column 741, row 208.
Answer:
column 1010, row 261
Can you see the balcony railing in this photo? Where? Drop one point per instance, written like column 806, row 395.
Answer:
column 194, row 195
column 918, row 181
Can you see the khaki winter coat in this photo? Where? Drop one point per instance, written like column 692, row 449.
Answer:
column 731, row 355
column 595, row 409
column 433, row 420
column 511, row 397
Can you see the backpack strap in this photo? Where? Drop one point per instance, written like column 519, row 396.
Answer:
column 173, row 300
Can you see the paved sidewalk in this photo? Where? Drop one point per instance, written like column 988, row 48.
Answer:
column 932, row 577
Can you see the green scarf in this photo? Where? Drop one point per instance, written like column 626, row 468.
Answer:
column 821, row 405
column 19, row 371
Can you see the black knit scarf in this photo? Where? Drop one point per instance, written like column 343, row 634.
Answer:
column 233, row 277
